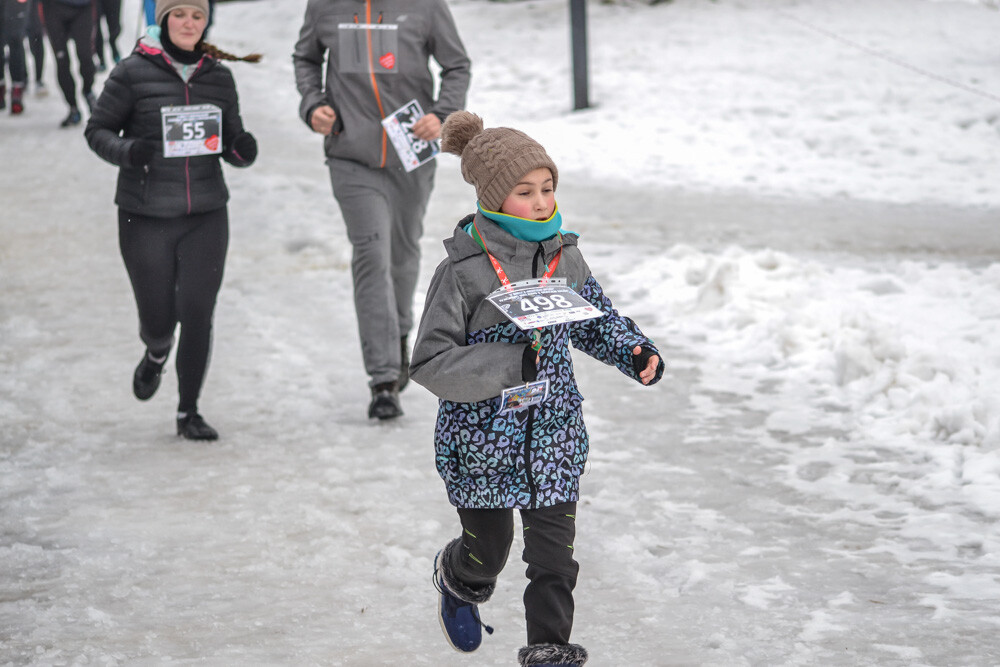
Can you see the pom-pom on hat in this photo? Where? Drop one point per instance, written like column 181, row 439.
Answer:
column 495, row 159
column 163, row 7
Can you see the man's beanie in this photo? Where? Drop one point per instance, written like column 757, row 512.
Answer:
column 493, row 160
column 163, row 7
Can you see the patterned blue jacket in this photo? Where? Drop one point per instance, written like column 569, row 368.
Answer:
column 467, row 353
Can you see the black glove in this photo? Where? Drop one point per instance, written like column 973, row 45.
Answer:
column 245, row 147
column 141, row 152
column 640, row 360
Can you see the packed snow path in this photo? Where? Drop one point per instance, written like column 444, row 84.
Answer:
column 815, row 481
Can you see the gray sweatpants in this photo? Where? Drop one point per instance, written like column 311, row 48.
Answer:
column 383, row 210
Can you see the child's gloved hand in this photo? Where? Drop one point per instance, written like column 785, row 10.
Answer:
column 647, row 370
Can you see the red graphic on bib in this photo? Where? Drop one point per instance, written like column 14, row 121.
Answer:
column 212, row 143
column 388, row 61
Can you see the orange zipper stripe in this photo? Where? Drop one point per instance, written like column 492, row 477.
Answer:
column 371, row 72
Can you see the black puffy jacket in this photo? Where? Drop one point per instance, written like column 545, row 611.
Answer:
column 129, row 109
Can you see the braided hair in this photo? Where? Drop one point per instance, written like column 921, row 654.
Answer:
column 219, row 54
column 202, row 46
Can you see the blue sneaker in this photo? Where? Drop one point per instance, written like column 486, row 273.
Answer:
column 459, row 618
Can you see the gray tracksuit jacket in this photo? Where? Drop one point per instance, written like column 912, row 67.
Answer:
column 379, row 53
column 467, row 353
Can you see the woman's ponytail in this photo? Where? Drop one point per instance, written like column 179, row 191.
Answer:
column 219, row 54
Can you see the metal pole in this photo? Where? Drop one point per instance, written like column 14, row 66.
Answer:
column 578, row 30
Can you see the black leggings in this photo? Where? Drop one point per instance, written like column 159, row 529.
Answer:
column 63, row 23
column 111, row 11
column 13, row 29
column 36, row 38
column 548, row 550
column 175, row 266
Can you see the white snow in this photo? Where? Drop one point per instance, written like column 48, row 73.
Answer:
column 795, row 198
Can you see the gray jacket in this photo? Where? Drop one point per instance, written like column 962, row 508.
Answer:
column 456, row 306
column 372, row 72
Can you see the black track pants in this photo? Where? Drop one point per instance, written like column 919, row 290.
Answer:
column 36, row 38
column 176, row 266
column 13, row 29
column 64, row 23
column 548, row 550
column 111, row 11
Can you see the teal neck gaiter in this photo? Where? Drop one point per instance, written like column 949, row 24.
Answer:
column 523, row 228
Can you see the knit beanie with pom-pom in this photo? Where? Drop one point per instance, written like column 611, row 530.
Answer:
column 493, row 160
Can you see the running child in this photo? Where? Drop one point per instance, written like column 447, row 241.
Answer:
column 494, row 345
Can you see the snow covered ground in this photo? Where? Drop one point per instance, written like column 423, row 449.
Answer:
column 796, row 199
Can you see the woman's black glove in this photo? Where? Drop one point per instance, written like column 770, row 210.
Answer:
column 142, row 152
column 244, row 148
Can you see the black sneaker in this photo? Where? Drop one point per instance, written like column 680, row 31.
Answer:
column 404, row 366
column 193, row 427
column 146, row 379
column 72, row 119
column 91, row 101
column 385, row 401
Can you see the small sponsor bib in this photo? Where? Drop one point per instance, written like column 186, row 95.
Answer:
column 191, row 130
column 524, row 395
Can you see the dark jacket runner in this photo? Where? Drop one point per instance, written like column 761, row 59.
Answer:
column 129, row 109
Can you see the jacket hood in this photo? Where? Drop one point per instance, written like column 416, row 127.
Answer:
column 150, row 40
column 151, row 46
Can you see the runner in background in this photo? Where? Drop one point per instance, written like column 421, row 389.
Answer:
column 376, row 61
column 166, row 116
column 111, row 12
column 36, row 44
column 13, row 29
column 67, row 20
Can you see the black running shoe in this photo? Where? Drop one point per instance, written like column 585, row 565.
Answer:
column 385, row 401
column 193, row 427
column 146, row 379
column 72, row 119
